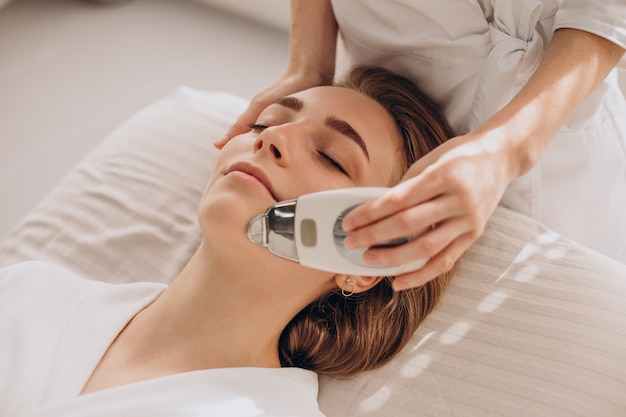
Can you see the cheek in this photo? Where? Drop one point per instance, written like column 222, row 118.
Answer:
column 233, row 149
column 311, row 176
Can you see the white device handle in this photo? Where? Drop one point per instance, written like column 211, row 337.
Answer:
column 317, row 243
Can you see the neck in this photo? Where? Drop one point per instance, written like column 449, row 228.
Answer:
column 219, row 313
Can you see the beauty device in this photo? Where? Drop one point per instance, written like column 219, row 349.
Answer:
column 308, row 230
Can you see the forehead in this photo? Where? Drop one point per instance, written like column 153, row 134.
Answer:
column 347, row 103
column 370, row 119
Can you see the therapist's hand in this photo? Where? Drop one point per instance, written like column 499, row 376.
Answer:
column 287, row 85
column 312, row 50
column 457, row 186
column 449, row 194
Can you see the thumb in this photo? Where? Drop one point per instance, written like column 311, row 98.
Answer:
column 242, row 124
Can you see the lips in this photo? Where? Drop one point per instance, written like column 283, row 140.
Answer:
column 254, row 171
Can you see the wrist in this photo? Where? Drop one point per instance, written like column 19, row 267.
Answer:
column 515, row 153
column 520, row 132
column 312, row 41
column 310, row 72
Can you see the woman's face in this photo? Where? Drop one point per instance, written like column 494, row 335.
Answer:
column 318, row 139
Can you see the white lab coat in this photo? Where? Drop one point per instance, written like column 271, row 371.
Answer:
column 473, row 56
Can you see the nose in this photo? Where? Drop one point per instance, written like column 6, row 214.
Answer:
column 276, row 141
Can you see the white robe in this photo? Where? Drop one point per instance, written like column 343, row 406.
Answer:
column 55, row 327
column 472, row 57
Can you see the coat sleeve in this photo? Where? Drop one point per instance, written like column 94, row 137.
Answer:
column 606, row 18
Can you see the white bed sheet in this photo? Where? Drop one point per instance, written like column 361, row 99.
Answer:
column 532, row 325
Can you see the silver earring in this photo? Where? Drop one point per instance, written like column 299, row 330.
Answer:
column 350, row 292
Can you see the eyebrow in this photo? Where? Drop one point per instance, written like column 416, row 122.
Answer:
column 345, row 129
column 333, row 122
column 292, row 103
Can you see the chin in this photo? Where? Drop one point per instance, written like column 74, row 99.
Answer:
column 224, row 215
column 224, row 228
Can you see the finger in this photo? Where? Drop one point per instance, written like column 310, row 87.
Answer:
column 219, row 143
column 239, row 127
column 243, row 122
column 428, row 245
column 407, row 223
column 408, row 193
column 442, row 263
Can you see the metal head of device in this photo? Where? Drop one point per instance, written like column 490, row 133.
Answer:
column 275, row 229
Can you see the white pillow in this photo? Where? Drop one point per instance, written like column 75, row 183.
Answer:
column 127, row 212
column 532, row 324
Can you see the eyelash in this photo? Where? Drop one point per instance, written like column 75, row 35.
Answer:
column 258, row 128
column 332, row 163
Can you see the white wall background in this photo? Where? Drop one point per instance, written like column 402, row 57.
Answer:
column 72, row 70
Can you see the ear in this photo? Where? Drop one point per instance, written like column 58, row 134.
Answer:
column 355, row 283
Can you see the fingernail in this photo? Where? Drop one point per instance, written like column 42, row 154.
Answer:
column 347, row 225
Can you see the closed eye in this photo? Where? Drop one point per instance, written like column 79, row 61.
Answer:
column 332, row 163
column 329, row 161
column 256, row 127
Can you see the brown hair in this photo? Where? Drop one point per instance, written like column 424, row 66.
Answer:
column 342, row 336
